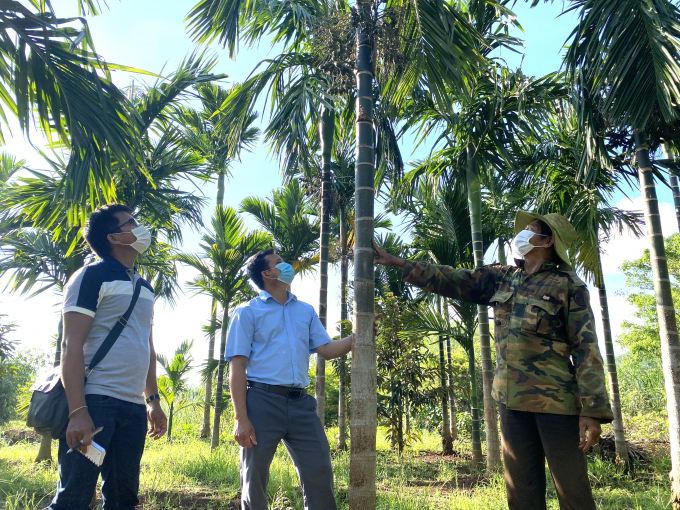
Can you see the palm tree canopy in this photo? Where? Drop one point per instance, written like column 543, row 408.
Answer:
column 287, row 217
column 626, row 56
column 174, row 380
column 225, row 252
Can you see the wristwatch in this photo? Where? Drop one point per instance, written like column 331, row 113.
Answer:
column 153, row 397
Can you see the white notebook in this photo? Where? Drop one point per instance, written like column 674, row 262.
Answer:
column 95, row 453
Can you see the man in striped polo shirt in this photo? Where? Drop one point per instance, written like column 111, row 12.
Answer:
column 95, row 298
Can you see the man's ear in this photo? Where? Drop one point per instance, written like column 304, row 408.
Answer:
column 550, row 242
column 112, row 239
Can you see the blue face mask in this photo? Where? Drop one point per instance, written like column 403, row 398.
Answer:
column 287, row 272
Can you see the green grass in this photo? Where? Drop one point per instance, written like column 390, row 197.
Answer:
column 185, row 475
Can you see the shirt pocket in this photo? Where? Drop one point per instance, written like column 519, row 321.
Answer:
column 502, row 312
column 542, row 317
column 301, row 320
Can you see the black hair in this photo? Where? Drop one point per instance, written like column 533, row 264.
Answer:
column 100, row 224
column 257, row 264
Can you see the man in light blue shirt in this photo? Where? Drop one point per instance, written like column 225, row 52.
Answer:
column 268, row 346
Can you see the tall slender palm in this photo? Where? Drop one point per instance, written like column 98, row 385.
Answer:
column 479, row 128
column 428, row 320
column 173, row 383
column 219, row 143
column 422, row 41
column 326, row 132
column 439, row 223
column 675, row 184
column 625, row 62
column 558, row 190
column 225, row 251
column 300, row 104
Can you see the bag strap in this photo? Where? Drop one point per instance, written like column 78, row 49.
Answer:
column 116, row 330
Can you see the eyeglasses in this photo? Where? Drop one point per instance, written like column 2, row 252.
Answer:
column 131, row 221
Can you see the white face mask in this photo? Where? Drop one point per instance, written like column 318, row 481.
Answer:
column 143, row 238
column 522, row 244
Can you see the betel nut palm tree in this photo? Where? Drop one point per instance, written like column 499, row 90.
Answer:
column 439, row 220
column 172, row 384
column 478, row 130
column 624, row 62
column 226, row 249
column 219, row 143
column 557, row 189
column 300, row 99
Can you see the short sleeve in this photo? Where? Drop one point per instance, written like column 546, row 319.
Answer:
column 318, row 335
column 82, row 292
column 240, row 334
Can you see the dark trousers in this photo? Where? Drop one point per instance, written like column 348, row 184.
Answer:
column 528, row 440
column 276, row 418
column 123, row 439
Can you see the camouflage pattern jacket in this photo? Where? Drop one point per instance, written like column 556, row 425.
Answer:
column 548, row 360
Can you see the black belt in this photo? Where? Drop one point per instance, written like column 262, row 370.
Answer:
column 279, row 390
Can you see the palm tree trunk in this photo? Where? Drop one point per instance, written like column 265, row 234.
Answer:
column 493, row 457
column 668, row 331
column 172, row 413
column 452, row 401
column 215, row 440
column 477, row 458
column 674, row 185
column 326, row 135
column 407, row 418
column 60, row 337
column 205, row 426
column 501, row 252
column 400, row 430
column 619, row 437
column 342, row 362
column 447, row 443
column 362, row 492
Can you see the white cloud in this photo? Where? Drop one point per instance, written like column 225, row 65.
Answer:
column 628, row 247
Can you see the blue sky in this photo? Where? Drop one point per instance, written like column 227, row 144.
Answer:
column 150, row 34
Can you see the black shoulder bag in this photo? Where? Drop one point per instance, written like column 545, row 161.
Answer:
column 48, row 410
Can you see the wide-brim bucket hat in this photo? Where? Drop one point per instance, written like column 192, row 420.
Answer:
column 564, row 233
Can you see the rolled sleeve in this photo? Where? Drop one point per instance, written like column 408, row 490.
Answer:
column 240, row 334
column 318, row 335
column 81, row 294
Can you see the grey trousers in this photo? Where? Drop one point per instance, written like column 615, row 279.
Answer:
column 276, row 418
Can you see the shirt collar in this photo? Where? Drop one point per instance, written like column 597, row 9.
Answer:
column 115, row 265
column 266, row 296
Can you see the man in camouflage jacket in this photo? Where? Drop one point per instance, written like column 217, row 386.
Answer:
column 549, row 381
